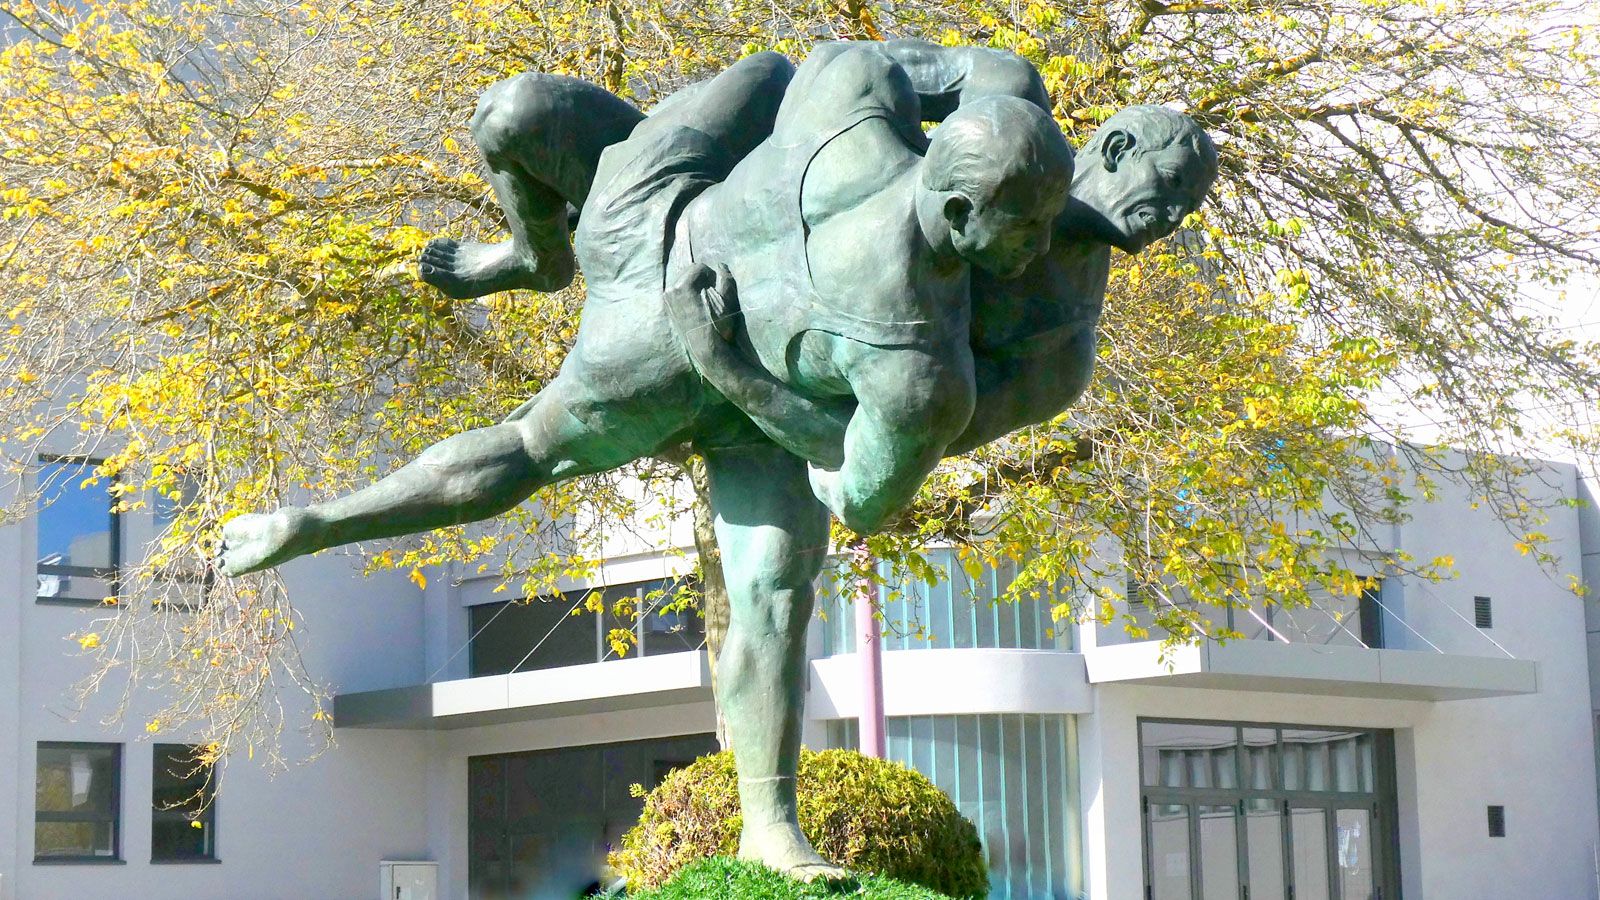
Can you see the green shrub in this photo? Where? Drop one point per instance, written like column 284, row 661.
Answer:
column 868, row 815
column 721, row 878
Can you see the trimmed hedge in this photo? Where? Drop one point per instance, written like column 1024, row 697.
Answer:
column 722, row 878
column 868, row 815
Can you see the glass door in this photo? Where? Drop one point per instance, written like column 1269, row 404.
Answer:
column 1260, row 812
column 1308, row 853
column 1169, row 865
column 1354, row 858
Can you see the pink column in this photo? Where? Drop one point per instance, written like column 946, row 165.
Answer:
column 870, row 655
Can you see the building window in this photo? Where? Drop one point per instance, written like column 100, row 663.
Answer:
column 538, row 822
column 183, row 824
column 563, row 630
column 1482, row 612
column 79, row 534
column 1015, row 777
column 1265, row 810
column 959, row 611
column 77, row 801
column 1370, row 613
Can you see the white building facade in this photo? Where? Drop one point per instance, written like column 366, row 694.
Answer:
column 1429, row 741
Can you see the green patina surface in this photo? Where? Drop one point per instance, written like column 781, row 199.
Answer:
column 930, row 294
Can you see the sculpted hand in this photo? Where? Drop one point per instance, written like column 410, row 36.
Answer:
column 704, row 310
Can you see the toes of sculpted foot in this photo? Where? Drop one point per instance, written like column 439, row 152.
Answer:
column 809, row 872
column 249, row 544
column 441, row 245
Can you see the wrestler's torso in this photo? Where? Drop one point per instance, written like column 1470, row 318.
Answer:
column 822, row 237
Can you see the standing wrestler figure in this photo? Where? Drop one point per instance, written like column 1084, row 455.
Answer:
column 855, row 239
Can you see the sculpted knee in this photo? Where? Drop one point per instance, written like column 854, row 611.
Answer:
column 510, row 112
column 772, row 69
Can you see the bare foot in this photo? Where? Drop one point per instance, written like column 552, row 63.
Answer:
column 782, row 847
column 465, row 270
column 259, row 541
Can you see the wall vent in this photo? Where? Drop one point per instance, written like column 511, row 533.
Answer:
column 1497, row 821
column 1482, row 612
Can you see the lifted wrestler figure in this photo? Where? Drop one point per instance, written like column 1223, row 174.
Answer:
column 854, row 240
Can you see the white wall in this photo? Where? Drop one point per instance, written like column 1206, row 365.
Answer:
column 1534, row 754
column 314, row 831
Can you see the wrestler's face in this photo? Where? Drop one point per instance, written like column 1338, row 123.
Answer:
column 1145, row 197
column 1003, row 235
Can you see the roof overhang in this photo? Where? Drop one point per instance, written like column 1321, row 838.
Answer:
column 622, row 684
column 950, row 681
column 1279, row 667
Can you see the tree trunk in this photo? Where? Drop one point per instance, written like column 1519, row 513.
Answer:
column 713, row 587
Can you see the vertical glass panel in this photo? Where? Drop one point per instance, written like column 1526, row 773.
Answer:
column 1353, row 844
column 1219, row 852
column 182, row 805
column 1169, row 852
column 76, row 800
column 1309, row 839
column 1260, row 758
column 1308, row 760
column 1180, row 754
column 1346, row 764
column 1263, row 825
column 75, row 521
column 1008, row 775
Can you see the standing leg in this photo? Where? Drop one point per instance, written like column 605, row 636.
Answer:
column 774, row 537
column 541, row 137
column 463, row 478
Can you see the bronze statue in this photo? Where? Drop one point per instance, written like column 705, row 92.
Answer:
column 786, row 274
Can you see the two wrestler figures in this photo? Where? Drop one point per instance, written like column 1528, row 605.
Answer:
column 785, row 273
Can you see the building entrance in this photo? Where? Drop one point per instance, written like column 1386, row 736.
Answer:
column 1267, row 812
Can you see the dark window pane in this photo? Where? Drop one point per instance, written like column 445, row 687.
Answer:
column 76, row 779
column 182, row 814
column 74, row 839
column 77, row 796
column 504, row 634
column 671, row 631
column 172, row 839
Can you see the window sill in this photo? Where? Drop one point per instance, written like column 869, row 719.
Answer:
column 78, row 861
column 68, row 601
column 197, row 861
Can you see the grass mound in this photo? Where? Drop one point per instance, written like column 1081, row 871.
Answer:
column 721, row 878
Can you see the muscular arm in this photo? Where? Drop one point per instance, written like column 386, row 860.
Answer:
column 1027, row 384
column 813, row 430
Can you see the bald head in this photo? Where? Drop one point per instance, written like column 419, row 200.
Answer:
column 1142, row 172
column 992, row 143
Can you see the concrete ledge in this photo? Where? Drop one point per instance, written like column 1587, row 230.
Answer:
column 621, row 684
column 1307, row 669
column 949, row 682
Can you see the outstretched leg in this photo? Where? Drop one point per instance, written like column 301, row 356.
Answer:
column 773, row 535
column 541, row 137
column 470, row 476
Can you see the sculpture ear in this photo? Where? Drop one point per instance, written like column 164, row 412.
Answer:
column 956, row 209
column 1115, row 148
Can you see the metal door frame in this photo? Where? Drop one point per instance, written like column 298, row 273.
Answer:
column 1380, row 804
